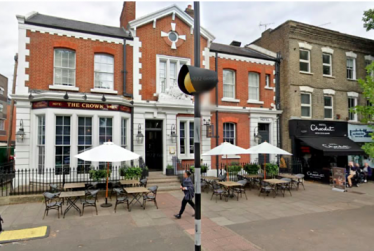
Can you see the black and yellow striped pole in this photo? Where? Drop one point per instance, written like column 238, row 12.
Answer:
column 194, row 81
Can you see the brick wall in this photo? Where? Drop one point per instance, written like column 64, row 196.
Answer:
column 42, row 55
column 153, row 44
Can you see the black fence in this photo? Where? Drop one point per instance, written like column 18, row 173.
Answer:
column 34, row 181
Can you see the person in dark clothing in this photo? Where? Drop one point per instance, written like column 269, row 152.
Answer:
column 1, row 225
column 189, row 192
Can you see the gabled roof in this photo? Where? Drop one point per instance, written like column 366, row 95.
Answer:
column 73, row 25
column 165, row 12
column 239, row 51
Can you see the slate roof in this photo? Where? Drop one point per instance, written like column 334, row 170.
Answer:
column 239, row 51
column 73, row 25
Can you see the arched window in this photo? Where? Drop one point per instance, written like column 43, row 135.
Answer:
column 64, row 67
column 229, row 133
column 228, row 83
column 254, row 86
column 104, row 71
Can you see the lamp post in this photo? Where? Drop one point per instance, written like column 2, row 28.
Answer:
column 173, row 134
column 195, row 81
column 20, row 135
column 139, row 136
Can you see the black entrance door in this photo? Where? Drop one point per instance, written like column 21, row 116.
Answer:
column 153, row 145
column 263, row 130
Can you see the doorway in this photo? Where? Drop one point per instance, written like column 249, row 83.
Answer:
column 263, row 130
column 153, row 145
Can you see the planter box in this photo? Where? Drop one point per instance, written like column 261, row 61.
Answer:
column 169, row 172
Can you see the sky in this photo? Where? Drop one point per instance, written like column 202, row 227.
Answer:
column 227, row 21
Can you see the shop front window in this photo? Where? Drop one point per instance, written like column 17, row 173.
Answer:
column 84, row 142
column 62, row 155
column 41, row 144
column 105, row 135
column 186, row 138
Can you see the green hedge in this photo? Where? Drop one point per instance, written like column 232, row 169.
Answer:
column 203, row 169
column 131, row 172
column 234, row 168
column 272, row 169
column 97, row 175
column 251, row 168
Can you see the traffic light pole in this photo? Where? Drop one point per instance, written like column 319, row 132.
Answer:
column 197, row 123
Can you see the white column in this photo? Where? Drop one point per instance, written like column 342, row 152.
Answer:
column 22, row 149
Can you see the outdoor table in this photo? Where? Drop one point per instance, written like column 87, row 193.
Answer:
column 290, row 176
column 136, row 193
column 71, row 199
column 129, row 182
column 229, row 185
column 209, row 178
column 74, row 185
column 275, row 182
column 251, row 178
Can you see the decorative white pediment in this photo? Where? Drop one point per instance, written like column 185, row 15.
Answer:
column 171, row 10
column 305, row 45
column 351, row 54
column 327, row 50
column 306, row 89
column 328, row 91
column 369, row 58
column 173, row 94
column 352, row 94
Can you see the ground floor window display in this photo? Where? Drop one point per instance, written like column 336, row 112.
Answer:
column 64, row 129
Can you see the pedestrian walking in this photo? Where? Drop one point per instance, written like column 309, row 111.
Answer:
column 1, row 224
column 189, row 192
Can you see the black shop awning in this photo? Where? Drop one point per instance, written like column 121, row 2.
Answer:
column 333, row 145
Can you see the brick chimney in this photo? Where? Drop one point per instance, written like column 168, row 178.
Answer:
column 127, row 14
column 189, row 11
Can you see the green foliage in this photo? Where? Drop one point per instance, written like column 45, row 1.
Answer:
column 271, row 169
column 367, row 110
column 234, row 168
column 169, row 167
column 131, row 172
column 251, row 168
column 368, row 19
column 97, row 175
column 204, row 168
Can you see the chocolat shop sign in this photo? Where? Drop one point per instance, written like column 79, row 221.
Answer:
column 80, row 105
column 310, row 128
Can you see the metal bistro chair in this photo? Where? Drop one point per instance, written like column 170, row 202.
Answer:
column 300, row 180
column 204, row 185
column 286, row 186
column 114, row 185
column 90, row 199
column 266, row 189
column 222, row 177
column 143, row 182
column 121, row 198
column 52, row 202
column 151, row 196
column 241, row 190
column 218, row 191
column 56, row 189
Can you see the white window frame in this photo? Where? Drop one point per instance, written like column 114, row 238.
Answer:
column 328, row 107
column 98, row 87
column 62, row 144
column 355, row 117
column 251, row 87
column 329, row 65
column 223, row 129
column 1, row 107
column 40, row 144
column 2, row 122
column 267, row 80
column 187, row 122
column 180, row 62
column 353, row 70
column 304, row 61
column 1, row 91
column 233, row 85
column 124, row 135
column 306, row 105
column 54, row 68
column 86, row 146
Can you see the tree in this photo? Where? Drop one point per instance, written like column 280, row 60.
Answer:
column 368, row 19
column 367, row 111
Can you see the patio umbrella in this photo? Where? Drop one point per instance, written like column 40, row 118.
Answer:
column 107, row 152
column 226, row 148
column 266, row 148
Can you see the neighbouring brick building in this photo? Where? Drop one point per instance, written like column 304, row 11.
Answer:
column 3, row 104
column 319, row 73
column 80, row 84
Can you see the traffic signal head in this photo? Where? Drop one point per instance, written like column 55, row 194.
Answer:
column 193, row 80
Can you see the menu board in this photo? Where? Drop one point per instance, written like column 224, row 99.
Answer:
column 338, row 179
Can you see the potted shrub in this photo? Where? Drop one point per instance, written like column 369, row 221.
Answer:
column 251, row 168
column 203, row 169
column 97, row 175
column 131, row 172
column 271, row 170
column 145, row 172
column 169, row 170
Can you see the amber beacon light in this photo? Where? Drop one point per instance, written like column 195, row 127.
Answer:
column 194, row 80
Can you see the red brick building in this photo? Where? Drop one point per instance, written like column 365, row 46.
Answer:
column 80, row 84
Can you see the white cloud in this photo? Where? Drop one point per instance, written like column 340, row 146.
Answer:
column 226, row 20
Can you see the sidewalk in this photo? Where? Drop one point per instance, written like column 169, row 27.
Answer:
column 225, row 225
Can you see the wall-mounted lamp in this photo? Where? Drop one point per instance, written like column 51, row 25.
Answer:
column 20, row 135
column 257, row 136
column 103, row 98
column 139, row 136
column 31, row 97
column 66, row 96
column 85, row 97
column 173, row 134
